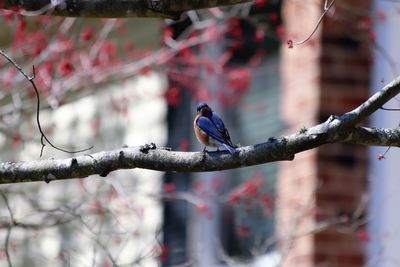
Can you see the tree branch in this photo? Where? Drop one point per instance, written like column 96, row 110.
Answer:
column 114, row 8
column 374, row 136
column 374, row 103
column 160, row 159
column 336, row 129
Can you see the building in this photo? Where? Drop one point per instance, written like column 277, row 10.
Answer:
column 321, row 197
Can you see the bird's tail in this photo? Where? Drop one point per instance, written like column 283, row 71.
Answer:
column 231, row 149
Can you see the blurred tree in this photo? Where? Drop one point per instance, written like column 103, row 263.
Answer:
column 78, row 58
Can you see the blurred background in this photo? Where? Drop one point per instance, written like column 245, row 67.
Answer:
column 116, row 82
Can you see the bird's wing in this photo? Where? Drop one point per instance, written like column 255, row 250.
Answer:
column 221, row 128
column 207, row 126
column 218, row 122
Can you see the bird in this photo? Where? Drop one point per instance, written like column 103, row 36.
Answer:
column 210, row 129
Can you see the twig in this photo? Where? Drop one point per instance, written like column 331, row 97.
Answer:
column 6, row 244
column 31, row 80
column 326, row 10
column 44, row 9
column 12, row 221
column 390, row 109
column 94, row 237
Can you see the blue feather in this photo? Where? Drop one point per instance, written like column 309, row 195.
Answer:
column 231, row 149
column 215, row 128
column 218, row 122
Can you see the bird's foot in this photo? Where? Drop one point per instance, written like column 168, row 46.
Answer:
column 203, row 156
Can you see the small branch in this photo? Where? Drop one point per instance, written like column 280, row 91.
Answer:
column 115, row 8
column 390, row 109
column 374, row 103
column 7, row 244
column 9, row 228
column 326, row 5
column 95, row 237
column 326, row 10
column 32, row 82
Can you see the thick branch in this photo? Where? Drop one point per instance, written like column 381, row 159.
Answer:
column 136, row 157
column 115, row 8
column 335, row 129
column 374, row 136
column 164, row 160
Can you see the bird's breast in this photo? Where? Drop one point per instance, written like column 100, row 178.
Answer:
column 200, row 135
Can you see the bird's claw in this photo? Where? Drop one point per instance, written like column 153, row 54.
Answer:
column 203, row 154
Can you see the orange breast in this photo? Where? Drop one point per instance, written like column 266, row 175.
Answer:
column 201, row 136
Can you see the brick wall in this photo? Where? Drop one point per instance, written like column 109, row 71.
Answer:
column 329, row 75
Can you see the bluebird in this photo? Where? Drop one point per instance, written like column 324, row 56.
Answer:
column 210, row 129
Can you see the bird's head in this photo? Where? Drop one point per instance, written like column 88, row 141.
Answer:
column 203, row 109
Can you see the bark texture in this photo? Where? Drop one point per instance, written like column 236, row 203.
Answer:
column 115, row 8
